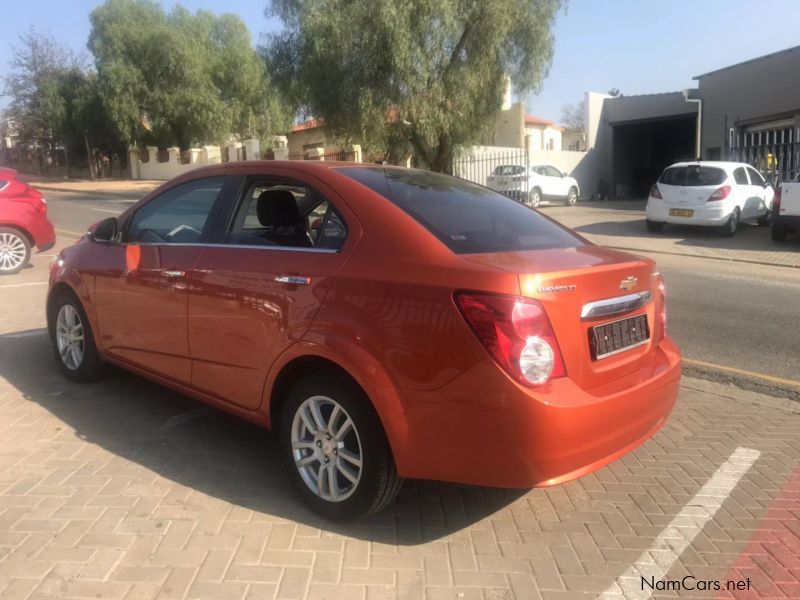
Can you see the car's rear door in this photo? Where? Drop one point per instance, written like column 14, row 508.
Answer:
column 759, row 197
column 251, row 298
column 142, row 285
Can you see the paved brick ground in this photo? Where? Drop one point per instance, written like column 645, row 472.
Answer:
column 122, row 489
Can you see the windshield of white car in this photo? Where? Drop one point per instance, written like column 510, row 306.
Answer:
column 693, row 176
column 509, row 170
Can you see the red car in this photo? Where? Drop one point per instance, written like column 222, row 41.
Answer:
column 388, row 322
column 23, row 223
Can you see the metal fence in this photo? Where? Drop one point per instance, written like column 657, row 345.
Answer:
column 756, row 147
column 478, row 168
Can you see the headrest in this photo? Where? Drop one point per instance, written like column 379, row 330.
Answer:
column 277, row 208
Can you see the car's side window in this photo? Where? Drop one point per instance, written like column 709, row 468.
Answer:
column 178, row 216
column 740, row 176
column 755, row 177
column 285, row 214
column 552, row 172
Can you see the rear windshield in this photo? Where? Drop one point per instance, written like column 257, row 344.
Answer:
column 508, row 170
column 466, row 217
column 693, row 175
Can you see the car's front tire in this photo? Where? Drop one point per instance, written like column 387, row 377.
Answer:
column 15, row 251
column 572, row 197
column 655, row 226
column 73, row 340
column 335, row 448
column 731, row 226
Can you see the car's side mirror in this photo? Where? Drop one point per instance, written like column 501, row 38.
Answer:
column 104, row 232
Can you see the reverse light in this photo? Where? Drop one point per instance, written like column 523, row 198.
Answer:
column 660, row 309
column 517, row 334
column 720, row 193
column 654, row 192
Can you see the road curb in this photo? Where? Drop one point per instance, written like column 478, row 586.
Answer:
column 724, row 259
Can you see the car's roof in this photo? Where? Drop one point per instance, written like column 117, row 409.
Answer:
column 721, row 164
column 7, row 174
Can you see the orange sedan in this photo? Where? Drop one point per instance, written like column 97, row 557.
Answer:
column 389, row 323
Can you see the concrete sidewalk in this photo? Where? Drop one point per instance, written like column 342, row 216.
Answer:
column 103, row 188
column 621, row 224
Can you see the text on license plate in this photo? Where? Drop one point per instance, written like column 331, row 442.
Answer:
column 611, row 338
column 678, row 212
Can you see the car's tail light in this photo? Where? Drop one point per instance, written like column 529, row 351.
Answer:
column 517, row 334
column 720, row 193
column 776, row 201
column 43, row 207
column 660, row 310
column 655, row 192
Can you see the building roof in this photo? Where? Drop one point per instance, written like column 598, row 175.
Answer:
column 534, row 120
column 311, row 123
column 747, row 62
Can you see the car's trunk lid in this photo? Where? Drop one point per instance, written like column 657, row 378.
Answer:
column 564, row 281
column 681, row 196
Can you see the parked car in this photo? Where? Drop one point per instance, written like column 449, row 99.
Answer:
column 23, row 223
column 709, row 193
column 426, row 327
column 786, row 209
column 537, row 184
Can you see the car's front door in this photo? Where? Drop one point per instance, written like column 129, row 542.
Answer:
column 256, row 291
column 142, row 288
column 556, row 182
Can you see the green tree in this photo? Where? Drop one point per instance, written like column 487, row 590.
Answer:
column 180, row 77
column 410, row 76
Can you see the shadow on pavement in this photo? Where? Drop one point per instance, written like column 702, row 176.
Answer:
column 219, row 455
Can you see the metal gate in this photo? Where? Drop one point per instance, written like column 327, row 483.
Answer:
column 772, row 148
column 486, row 166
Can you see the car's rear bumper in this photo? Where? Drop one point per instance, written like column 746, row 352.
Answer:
column 43, row 233
column 485, row 429
column 790, row 221
column 704, row 215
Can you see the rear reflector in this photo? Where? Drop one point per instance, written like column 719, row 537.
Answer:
column 517, row 334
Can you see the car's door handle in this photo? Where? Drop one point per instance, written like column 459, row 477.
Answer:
column 293, row 279
column 174, row 274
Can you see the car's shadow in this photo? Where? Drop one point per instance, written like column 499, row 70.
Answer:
column 216, row 454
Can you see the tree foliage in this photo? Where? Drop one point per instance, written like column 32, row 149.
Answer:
column 418, row 76
column 573, row 116
column 180, row 77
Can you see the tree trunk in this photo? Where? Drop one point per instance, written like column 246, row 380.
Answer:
column 66, row 159
column 443, row 159
column 88, row 155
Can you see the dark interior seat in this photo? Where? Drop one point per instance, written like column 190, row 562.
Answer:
column 277, row 211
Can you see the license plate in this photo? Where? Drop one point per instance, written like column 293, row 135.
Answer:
column 678, row 212
column 618, row 336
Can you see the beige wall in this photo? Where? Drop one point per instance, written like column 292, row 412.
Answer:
column 306, row 137
column 510, row 129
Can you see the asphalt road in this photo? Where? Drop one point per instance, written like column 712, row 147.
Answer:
column 732, row 314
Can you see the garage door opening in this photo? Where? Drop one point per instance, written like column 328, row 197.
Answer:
column 642, row 150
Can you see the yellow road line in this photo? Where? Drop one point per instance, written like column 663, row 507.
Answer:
column 708, row 365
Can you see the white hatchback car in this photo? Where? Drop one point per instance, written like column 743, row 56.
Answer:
column 709, row 193
column 541, row 183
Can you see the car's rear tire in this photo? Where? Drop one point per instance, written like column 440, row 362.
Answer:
column 572, row 197
column 15, row 251
column 779, row 232
column 73, row 340
column 655, row 226
column 335, row 448
column 731, row 226
column 765, row 219
column 534, row 198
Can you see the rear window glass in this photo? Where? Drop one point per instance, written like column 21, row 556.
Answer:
column 693, row 175
column 508, row 170
column 466, row 217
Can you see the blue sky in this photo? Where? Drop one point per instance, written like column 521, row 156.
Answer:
column 637, row 46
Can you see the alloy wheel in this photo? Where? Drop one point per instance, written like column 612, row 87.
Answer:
column 573, row 197
column 733, row 223
column 12, row 252
column 69, row 337
column 326, row 448
column 534, row 199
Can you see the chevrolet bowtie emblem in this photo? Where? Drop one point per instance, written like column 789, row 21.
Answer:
column 628, row 283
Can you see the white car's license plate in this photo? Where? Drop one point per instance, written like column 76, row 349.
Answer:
column 679, row 212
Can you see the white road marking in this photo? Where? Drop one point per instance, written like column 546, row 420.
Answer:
column 24, row 334
column 14, row 285
column 68, row 233
column 108, row 210
column 657, row 560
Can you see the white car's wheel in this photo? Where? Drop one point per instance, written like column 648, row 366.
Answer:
column 534, row 198
column 15, row 251
column 572, row 197
column 731, row 226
